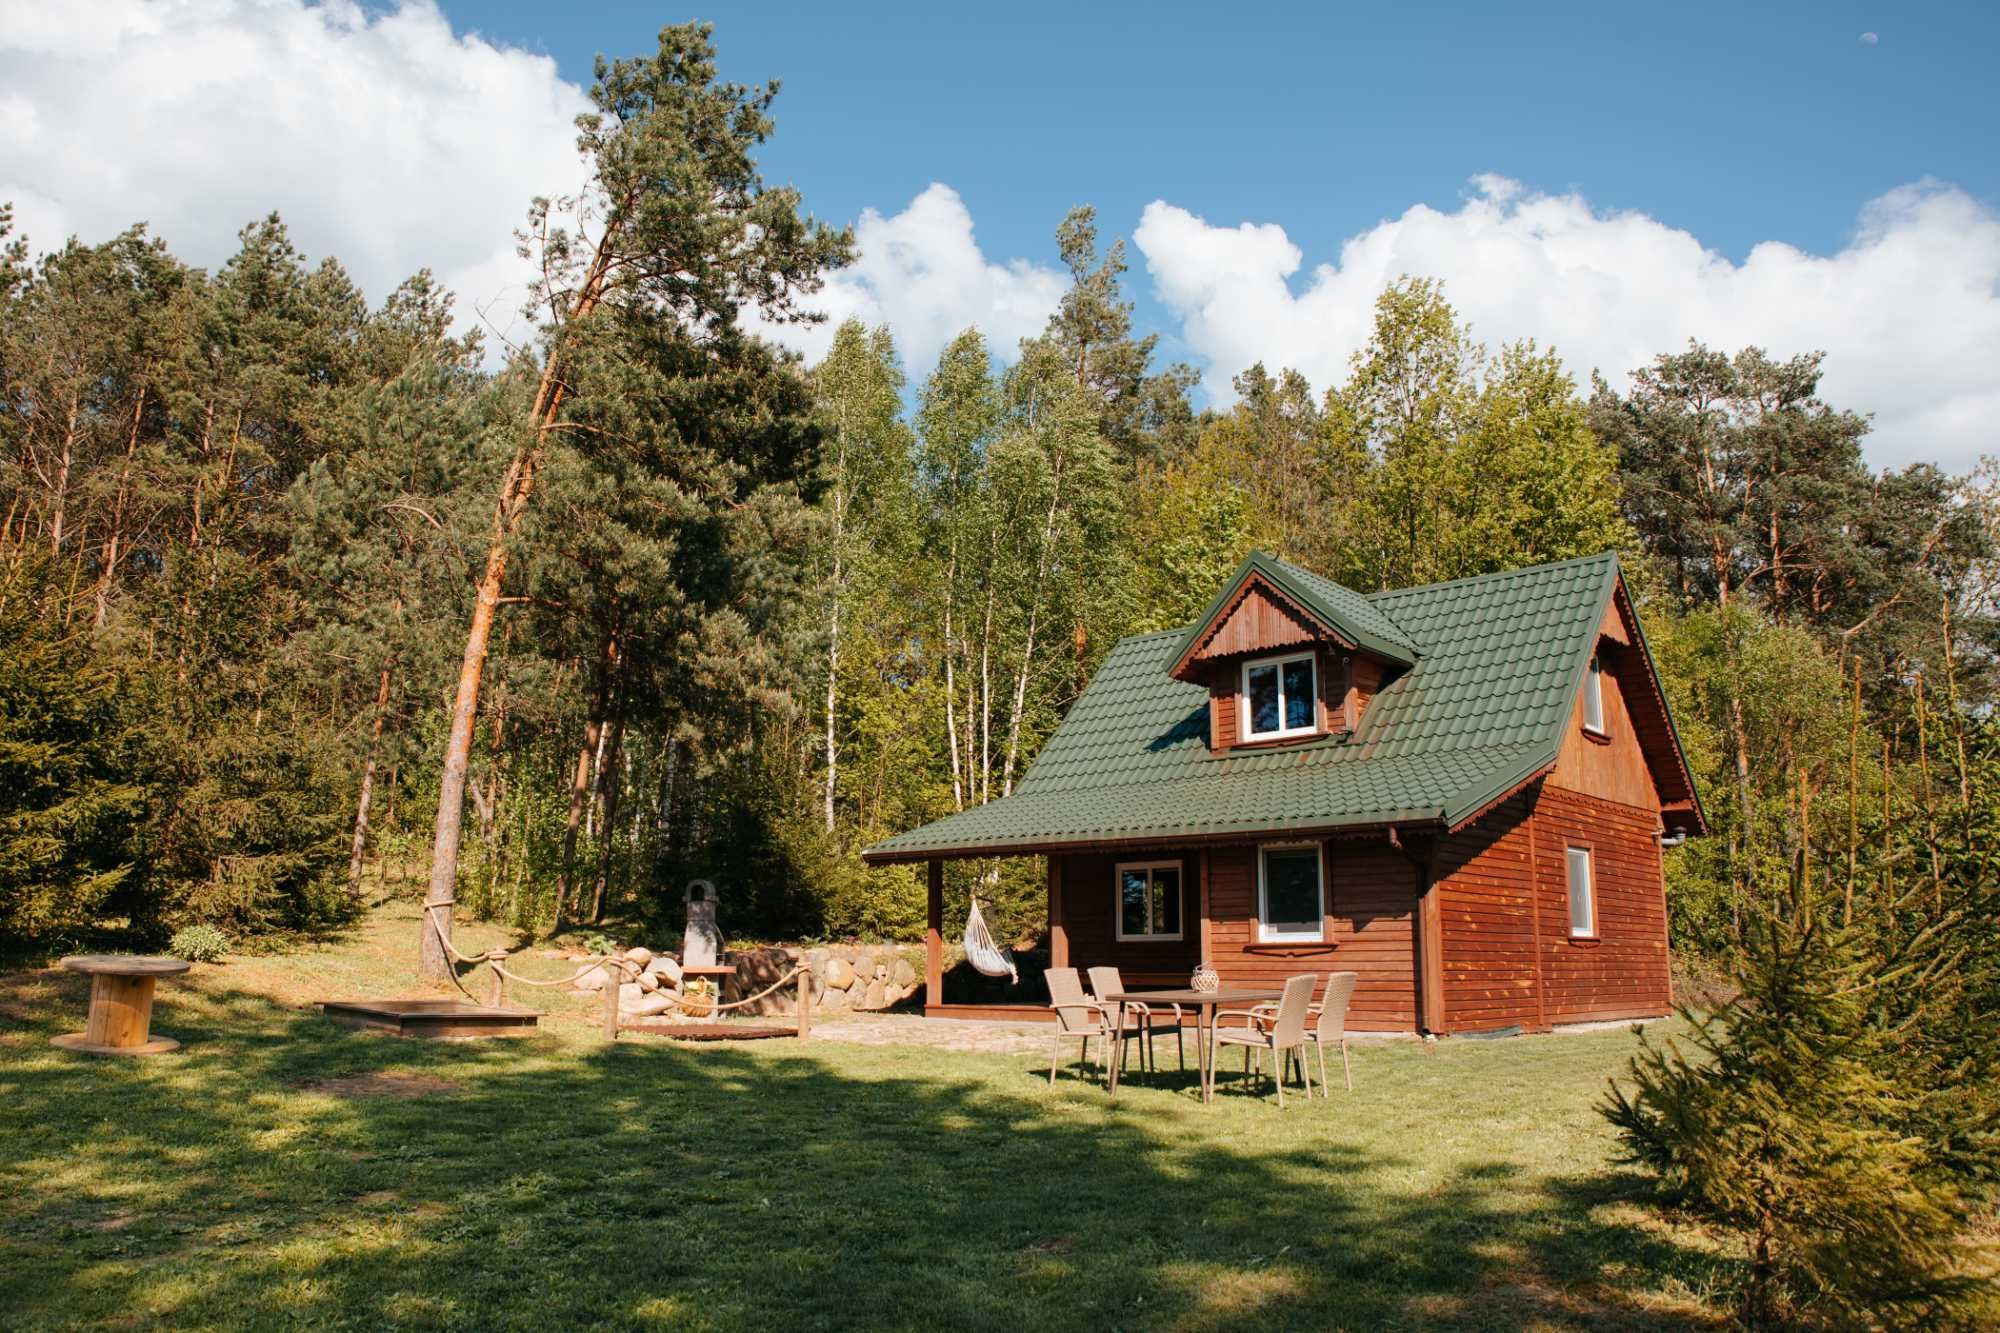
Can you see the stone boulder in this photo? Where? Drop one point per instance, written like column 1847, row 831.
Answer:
column 649, row 981
column 903, row 974
column 876, row 993
column 659, row 1002
column 839, row 974
column 629, row 995
column 667, row 968
column 639, row 954
column 593, row 980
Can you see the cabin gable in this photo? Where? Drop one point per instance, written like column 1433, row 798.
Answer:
column 1610, row 763
column 1261, row 620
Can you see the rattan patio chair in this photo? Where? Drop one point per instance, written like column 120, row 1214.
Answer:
column 1283, row 1034
column 1076, row 1016
column 1138, row 1018
column 1326, row 1025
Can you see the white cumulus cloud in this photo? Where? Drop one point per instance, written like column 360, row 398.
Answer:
column 383, row 138
column 392, row 142
column 1908, row 310
column 922, row 273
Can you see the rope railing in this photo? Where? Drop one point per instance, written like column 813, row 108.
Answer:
column 625, row 966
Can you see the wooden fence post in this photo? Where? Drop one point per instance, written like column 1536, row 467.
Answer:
column 805, row 1003
column 493, row 995
column 614, row 976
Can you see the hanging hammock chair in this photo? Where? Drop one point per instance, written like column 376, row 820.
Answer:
column 980, row 950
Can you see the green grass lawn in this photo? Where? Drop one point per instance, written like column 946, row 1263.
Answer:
column 557, row 1182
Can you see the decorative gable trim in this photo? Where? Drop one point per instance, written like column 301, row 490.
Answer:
column 1336, row 615
column 1258, row 618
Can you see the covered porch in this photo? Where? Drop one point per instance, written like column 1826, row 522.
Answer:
column 1156, row 911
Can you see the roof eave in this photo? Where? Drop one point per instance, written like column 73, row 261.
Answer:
column 882, row 854
column 1666, row 706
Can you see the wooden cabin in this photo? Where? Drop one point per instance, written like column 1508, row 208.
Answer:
column 1460, row 791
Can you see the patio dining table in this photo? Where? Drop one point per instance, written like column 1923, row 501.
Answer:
column 1204, row 1003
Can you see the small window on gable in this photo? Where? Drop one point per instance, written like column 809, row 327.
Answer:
column 1582, row 893
column 1291, row 899
column 1280, row 697
column 1149, row 900
column 1593, row 698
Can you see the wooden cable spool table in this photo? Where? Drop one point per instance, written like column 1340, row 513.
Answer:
column 121, row 1004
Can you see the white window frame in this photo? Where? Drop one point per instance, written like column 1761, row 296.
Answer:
column 1311, row 728
column 1573, row 859
column 1118, row 900
column 1593, row 696
column 1266, row 934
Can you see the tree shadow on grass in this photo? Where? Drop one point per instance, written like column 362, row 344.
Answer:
column 561, row 1184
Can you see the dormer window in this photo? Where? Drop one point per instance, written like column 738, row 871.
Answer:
column 1279, row 697
column 1593, row 698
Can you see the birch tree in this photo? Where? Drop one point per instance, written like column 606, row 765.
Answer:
column 958, row 412
column 866, row 473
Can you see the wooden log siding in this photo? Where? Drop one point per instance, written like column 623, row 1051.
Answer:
column 1371, row 894
column 1486, row 887
column 1331, row 671
column 1509, row 959
column 1624, row 972
column 1363, row 682
column 1090, row 919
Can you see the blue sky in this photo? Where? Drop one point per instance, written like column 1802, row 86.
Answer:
column 1602, row 179
column 1740, row 123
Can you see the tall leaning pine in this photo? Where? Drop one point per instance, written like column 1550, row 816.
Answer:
column 674, row 223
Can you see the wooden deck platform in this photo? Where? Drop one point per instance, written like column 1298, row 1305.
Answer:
column 446, row 1020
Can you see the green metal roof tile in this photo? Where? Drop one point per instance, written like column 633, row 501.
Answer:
column 1494, row 664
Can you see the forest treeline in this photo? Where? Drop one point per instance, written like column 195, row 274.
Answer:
column 744, row 615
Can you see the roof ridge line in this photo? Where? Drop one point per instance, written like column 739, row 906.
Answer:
column 1608, row 553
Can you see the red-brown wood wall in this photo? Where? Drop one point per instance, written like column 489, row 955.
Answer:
column 1484, row 887
column 1502, row 887
column 1225, row 702
column 1624, row 972
column 1260, row 621
column 1371, row 892
column 1090, row 910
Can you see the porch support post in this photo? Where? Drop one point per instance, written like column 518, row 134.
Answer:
column 934, row 938
column 1430, row 949
column 1535, row 917
column 1427, row 931
column 1058, row 926
column 1207, row 939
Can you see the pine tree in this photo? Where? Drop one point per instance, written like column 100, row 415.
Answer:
column 686, row 234
column 74, row 755
column 1784, row 1126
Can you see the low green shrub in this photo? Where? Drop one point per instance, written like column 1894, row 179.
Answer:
column 199, row 944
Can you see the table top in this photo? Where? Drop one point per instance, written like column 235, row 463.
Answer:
column 1190, row 996
column 125, row 965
